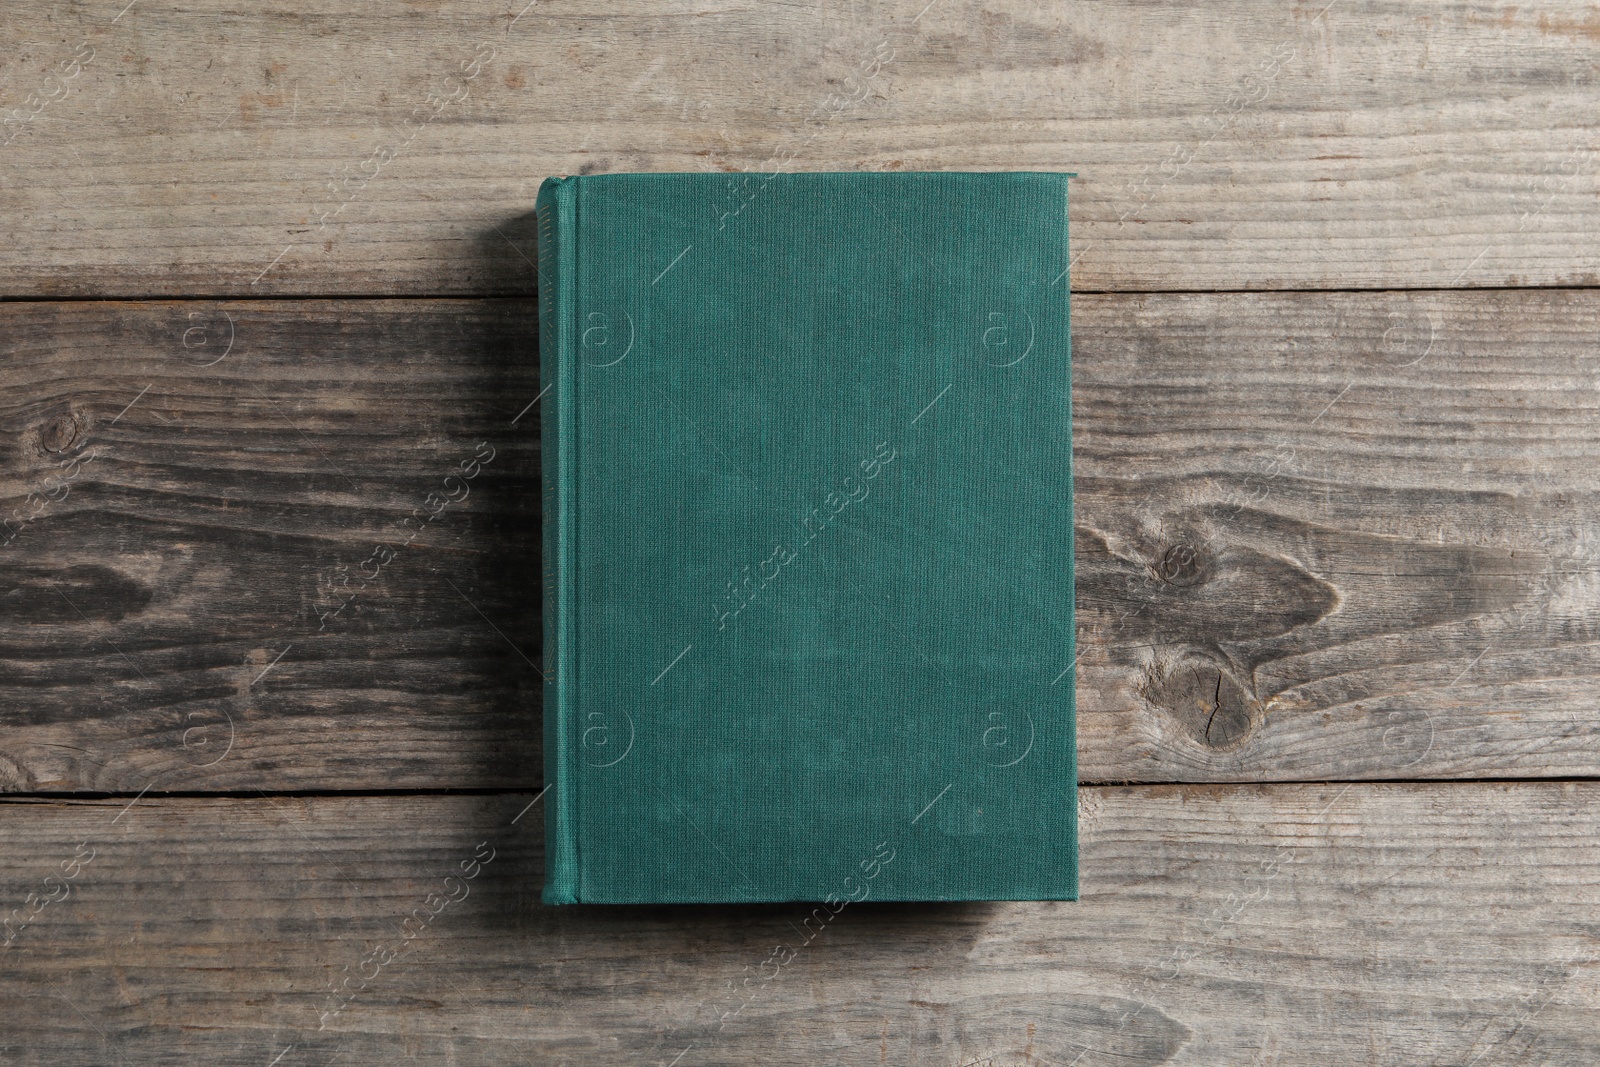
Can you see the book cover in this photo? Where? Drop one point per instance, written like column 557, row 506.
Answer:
column 808, row 538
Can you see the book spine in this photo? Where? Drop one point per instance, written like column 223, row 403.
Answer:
column 554, row 210
column 1071, row 548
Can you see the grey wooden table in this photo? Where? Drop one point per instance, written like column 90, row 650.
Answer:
column 1338, row 471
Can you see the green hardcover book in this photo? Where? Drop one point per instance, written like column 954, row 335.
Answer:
column 807, row 537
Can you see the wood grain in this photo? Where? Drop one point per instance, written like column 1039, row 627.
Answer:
column 1287, row 925
column 1337, row 536
column 171, row 621
column 1320, row 536
column 315, row 148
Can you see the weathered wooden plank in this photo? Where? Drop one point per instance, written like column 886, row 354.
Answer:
column 1337, row 536
column 1288, row 925
column 316, row 148
column 1319, row 536
column 206, row 605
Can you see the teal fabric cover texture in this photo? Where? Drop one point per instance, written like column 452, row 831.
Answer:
column 808, row 538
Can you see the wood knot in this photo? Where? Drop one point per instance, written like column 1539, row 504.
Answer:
column 14, row 777
column 61, row 434
column 1204, row 694
column 1182, row 565
column 81, row 593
